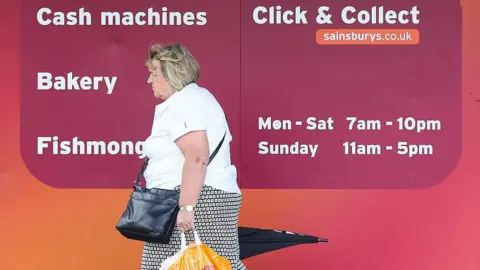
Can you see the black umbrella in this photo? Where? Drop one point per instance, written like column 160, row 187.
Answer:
column 255, row 241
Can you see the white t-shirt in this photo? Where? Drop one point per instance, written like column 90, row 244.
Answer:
column 192, row 108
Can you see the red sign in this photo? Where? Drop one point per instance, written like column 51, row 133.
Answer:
column 372, row 100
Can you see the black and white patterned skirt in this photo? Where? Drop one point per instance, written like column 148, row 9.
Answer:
column 216, row 221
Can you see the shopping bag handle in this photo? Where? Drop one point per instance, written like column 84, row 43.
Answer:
column 183, row 240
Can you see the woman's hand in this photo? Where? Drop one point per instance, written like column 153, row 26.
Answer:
column 185, row 221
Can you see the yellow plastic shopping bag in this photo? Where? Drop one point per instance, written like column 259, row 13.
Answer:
column 196, row 256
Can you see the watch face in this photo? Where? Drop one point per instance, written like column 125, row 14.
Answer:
column 189, row 208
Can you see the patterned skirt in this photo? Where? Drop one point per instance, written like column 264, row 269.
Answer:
column 216, row 221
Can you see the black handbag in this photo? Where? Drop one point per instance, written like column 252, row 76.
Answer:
column 151, row 214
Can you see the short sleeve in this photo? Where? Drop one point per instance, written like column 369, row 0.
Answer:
column 189, row 116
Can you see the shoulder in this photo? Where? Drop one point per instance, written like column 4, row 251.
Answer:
column 190, row 110
column 194, row 98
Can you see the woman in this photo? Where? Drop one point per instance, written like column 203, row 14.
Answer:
column 188, row 125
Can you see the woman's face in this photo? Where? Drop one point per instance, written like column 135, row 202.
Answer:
column 160, row 86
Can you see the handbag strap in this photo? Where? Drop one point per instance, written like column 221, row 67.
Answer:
column 145, row 160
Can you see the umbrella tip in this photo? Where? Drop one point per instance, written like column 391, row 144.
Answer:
column 322, row 240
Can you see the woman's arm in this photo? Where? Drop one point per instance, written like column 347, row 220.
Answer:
column 195, row 149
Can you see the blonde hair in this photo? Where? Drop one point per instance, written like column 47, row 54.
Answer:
column 177, row 64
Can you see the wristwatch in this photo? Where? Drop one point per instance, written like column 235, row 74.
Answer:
column 188, row 208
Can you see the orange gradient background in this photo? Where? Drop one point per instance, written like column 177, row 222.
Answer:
column 43, row 228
